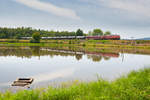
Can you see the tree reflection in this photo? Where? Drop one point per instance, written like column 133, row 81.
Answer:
column 35, row 50
column 106, row 58
column 95, row 58
column 28, row 52
column 78, row 56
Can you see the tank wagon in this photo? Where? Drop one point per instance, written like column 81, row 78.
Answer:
column 105, row 37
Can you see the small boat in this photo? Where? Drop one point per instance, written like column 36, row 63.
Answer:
column 20, row 84
column 23, row 82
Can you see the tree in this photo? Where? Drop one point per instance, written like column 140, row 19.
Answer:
column 79, row 32
column 90, row 33
column 35, row 38
column 2, row 35
column 97, row 32
column 20, row 32
column 18, row 36
column 107, row 33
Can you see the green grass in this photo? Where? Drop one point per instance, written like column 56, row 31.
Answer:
column 134, row 86
column 72, row 43
column 138, row 44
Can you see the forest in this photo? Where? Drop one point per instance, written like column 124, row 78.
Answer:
column 17, row 33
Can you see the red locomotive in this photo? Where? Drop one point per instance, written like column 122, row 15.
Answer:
column 105, row 37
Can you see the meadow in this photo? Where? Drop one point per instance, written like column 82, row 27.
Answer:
column 145, row 44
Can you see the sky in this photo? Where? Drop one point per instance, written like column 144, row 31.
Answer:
column 128, row 18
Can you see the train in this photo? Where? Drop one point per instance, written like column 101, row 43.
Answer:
column 104, row 37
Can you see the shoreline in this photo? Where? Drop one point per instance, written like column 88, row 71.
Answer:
column 139, row 44
column 133, row 86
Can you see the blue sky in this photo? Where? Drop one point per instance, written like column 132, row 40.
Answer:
column 129, row 18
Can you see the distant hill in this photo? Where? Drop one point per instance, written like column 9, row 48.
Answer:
column 148, row 38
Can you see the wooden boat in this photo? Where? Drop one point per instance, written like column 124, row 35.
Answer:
column 20, row 84
column 23, row 82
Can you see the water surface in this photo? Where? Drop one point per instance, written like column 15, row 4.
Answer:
column 49, row 66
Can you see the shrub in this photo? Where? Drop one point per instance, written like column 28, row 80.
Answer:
column 35, row 38
column 70, row 42
column 12, row 40
column 83, row 45
column 34, row 41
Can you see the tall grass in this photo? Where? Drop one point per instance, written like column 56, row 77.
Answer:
column 135, row 86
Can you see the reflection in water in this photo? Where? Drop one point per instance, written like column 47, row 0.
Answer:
column 28, row 52
column 79, row 56
column 95, row 58
column 56, row 65
column 106, row 58
column 35, row 50
column 53, row 75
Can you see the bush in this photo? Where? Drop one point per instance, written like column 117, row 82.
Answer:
column 35, row 38
column 138, row 42
column 34, row 41
column 79, row 32
column 83, row 45
column 107, row 33
column 70, row 42
column 12, row 40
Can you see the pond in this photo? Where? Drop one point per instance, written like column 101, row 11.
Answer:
column 51, row 66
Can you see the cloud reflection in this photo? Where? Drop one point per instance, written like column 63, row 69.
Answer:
column 54, row 75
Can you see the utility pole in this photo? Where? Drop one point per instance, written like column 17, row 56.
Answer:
column 132, row 39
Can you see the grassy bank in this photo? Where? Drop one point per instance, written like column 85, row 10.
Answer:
column 143, row 44
column 135, row 86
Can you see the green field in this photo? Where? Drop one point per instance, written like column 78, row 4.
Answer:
column 145, row 44
column 134, row 86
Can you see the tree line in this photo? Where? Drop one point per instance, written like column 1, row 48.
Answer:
column 17, row 33
column 98, row 32
column 36, row 51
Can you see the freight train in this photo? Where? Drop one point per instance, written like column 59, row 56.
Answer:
column 105, row 37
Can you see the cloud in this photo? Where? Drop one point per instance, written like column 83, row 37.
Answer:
column 48, row 7
column 140, row 7
column 134, row 6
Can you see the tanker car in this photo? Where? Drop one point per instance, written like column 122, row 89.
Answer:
column 104, row 37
